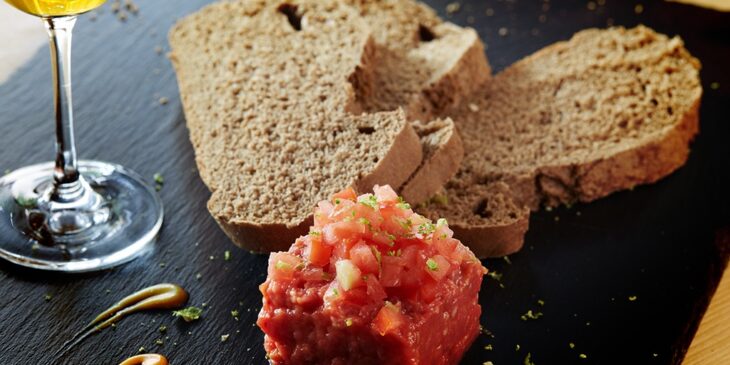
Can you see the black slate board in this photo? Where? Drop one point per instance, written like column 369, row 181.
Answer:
column 663, row 244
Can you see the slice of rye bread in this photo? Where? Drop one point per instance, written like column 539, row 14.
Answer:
column 267, row 88
column 605, row 111
column 425, row 66
column 442, row 155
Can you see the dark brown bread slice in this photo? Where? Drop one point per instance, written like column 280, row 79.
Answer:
column 425, row 66
column 576, row 121
column 267, row 88
column 442, row 155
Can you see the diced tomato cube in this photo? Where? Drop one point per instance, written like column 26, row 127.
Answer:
column 282, row 265
column 365, row 258
column 318, row 253
column 385, row 193
column 347, row 194
column 334, row 233
column 388, row 319
column 437, row 267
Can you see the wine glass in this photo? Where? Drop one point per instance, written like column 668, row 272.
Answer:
column 72, row 215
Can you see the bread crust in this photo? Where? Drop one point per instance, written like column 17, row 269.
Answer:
column 403, row 158
column 435, row 170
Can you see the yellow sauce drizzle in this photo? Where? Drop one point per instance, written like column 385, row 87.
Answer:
column 145, row 359
column 160, row 296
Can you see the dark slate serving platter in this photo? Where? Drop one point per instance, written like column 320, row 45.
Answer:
column 665, row 245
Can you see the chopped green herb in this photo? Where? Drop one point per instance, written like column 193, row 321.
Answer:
column 541, row 302
column 489, row 347
column 141, row 350
column 364, row 221
column 528, row 361
column 495, row 275
column 335, row 292
column 158, row 178
column 583, row 356
column 281, row 265
column 162, row 329
column 235, row 313
column 531, row 315
column 369, row 200
column 188, row 314
column 47, row 297
column 571, row 345
column 501, row 285
column 337, row 201
column 348, row 322
column 314, row 233
column 442, row 222
column 159, row 342
column 227, row 255
column 632, row 298
column 426, row 228
column 517, row 347
column 402, row 204
column 224, row 338
column 432, row 264
column 507, row 260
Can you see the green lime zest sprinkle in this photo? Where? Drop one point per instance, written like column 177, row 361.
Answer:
column 426, row 228
column 337, row 201
column 442, row 222
column 281, row 265
column 531, row 315
column 528, row 360
column 402, row 204
column 489, row 347
column 369, row 200
column 158, row 178
column 188, row 314
column 432, row 264
column 227, row 255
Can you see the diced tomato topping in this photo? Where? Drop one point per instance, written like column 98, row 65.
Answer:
column 365, row 258
column 366, row 252
column 347, row 194
column 282, row 265
column 318, row 253
column 388, row 319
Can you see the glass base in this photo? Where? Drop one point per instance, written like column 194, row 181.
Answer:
column 113, row 219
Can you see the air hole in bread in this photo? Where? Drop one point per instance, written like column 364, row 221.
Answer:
column 294, row 18
column 425, row 34
column 366, row 130
column 654, row 102
column 481, row 209
column 670, row 111
column 623, row 124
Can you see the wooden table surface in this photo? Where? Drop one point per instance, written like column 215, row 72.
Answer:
column 711, row 345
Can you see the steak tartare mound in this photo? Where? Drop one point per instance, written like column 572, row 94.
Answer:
column 372, row 283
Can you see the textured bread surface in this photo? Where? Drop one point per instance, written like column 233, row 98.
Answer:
column 442, row 155
column 425, row 66
column 268, row 89
column 605, row 111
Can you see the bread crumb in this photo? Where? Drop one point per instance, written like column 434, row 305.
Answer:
column 224, row 338
column 163, row 100
column 452, row 8
column 503, row 31
column 638, row 9
column 473, row 107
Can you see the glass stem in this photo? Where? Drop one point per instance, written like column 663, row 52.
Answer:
column 66, row 184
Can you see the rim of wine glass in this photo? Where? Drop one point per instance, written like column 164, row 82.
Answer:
column 123, row 256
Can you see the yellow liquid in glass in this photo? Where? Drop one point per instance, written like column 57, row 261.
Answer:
column 49, row 8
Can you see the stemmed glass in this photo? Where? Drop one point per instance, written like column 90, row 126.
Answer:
column 72, row 215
